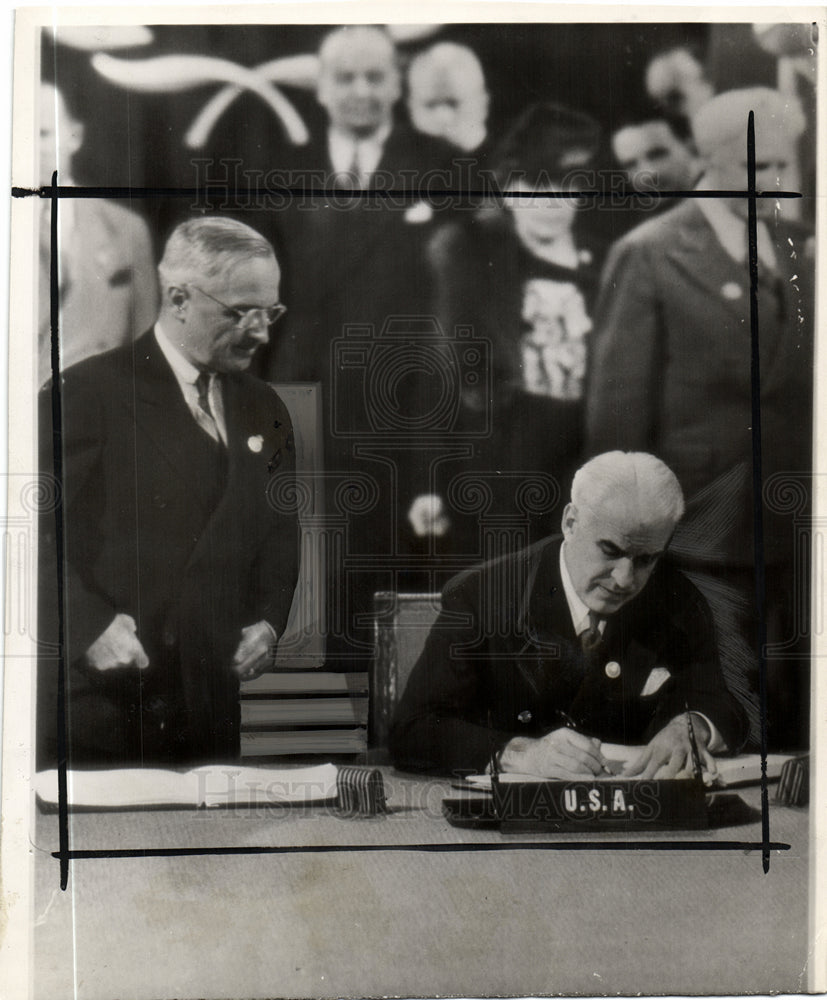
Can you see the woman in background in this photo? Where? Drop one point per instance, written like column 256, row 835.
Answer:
column 522, row 273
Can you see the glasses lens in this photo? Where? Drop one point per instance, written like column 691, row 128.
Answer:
column 255, row 315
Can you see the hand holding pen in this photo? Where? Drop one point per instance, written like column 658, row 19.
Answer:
column 563, row 753
column 570, row 724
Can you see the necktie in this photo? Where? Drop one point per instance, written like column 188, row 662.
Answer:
column 591, row 638
column 206, row 419
column 355, row 170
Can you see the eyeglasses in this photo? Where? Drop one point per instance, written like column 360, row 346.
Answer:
column 272, row 314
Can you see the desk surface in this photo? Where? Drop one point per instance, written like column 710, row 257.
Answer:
column 531, row 916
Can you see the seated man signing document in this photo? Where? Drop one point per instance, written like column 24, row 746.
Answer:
column 589, row 636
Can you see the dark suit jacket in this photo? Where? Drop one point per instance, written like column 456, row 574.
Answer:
column 503, row 660
column 160, row 523
column 350, row 266
column 479, row 268
column 476, row 267
column 350, row 260
column 672, row 372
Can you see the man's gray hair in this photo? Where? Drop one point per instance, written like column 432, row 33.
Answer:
column 339, row 37
column 447, row 56
column 633, row 473
column 723, row 119
column 207, row 246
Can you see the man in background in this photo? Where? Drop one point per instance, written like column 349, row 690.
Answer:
column 353, row 238
column 654, row 157
column 352, row 257
column 673, row 373
column 172, row 558
column 447, row 97
column 107, row 290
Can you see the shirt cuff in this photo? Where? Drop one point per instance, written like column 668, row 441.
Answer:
column 716, row 743
column 274, row 638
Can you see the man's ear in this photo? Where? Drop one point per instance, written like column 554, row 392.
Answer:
column 177, row 299
column 569, row 519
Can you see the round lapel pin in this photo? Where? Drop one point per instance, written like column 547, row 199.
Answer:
column 524, row 716
column 255, row 443
column 732, row 291
column 613, row 669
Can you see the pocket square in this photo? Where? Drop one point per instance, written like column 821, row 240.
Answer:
column 658, row 676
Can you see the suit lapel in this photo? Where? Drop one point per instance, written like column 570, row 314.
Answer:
column 162, row 415
column 634, row 638
column 251, row 445
column 340, row 241
column 547, row 608
column 246, row 465
column 547, row 628
column 704, row 262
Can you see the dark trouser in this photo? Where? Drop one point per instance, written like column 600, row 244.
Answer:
column 123, row 718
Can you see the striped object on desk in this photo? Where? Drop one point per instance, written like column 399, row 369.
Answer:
column 304, row 712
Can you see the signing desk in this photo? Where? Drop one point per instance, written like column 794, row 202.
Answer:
column 308, row 903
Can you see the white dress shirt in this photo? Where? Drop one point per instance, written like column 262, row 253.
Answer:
column 186, row 374
column 344, row 148
column 577, row 609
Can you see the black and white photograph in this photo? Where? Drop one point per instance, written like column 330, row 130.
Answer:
column 413, row 541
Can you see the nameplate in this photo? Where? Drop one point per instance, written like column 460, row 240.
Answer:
column 600, row 805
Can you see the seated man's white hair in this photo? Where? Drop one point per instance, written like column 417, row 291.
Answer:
column 631, row 473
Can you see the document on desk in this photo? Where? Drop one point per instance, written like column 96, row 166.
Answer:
column 210, row 786
column 616, row 755
column 744, row 769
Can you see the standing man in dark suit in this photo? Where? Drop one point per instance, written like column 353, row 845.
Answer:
column 355, row 274
column 541, row 655
column 178, row 568
column 672, row 373
column 353, row 254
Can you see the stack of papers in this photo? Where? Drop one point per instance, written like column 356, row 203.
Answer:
column 210, row 786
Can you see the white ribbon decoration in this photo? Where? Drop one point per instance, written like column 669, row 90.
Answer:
column 183, row 72
column 98, row 38
column 298, row 71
